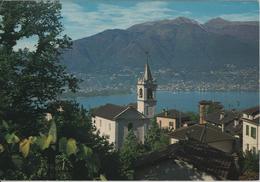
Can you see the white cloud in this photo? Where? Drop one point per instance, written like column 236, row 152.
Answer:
column 241, row 17
column 81, row 23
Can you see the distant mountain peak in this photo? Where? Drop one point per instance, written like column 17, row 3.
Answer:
column 217, row 20
column 168, row 22
column 182, row 19
column 179, row 43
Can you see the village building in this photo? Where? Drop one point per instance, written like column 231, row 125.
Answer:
column 186, row 161
column 228, row 121
column 251, row 129
column 206, row 134
column 214, row 114
column 115, row 121
column 206, row 107
column 173, row 119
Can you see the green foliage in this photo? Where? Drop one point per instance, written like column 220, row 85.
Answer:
column 155, row 138
column 102, row 178
column 193, row 116
column 71, row 147
column 11, row 138
column 130, row 150
column 44, row 141
column 249, row 165
column 214, row 107
column 251, row 161
column 80, row 157
column 24, row 146
column 30, row 79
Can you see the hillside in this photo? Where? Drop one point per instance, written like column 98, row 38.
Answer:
column 180, row 44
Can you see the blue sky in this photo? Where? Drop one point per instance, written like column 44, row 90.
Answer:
column 82, row 18
column 87, row 17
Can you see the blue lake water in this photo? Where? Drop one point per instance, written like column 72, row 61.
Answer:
column 184, row 101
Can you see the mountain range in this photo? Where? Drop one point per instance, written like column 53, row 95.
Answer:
column 183, row 55
column 180, row 43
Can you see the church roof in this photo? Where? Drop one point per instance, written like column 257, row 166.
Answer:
column 108, row 111
column 147, row 73
column 112, row 112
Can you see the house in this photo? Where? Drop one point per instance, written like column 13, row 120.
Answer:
column 172, row 119
column 228, row 121
column 251, row 129
column 206, row 107
column 207, row 134
column 185, row 161
column 115, row 121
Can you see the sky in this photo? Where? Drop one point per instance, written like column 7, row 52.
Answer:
column 83, row 18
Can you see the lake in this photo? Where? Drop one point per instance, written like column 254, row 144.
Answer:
column 184, row 101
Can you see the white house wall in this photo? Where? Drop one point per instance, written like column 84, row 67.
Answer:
column 107, row 128
column 250, row 140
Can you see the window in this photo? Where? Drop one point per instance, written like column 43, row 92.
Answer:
column 171, row 124
column 247, row 130
column 254, row 150
column 140, row 93
column 160, row 123
column 149, row 93
column 109, row 126
column 130, row 126
column 253, row 132
column 100, row 122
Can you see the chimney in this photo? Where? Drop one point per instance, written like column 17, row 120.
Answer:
column 222, row 127
column 221, row 116
column 165, row 113
column 236, row 121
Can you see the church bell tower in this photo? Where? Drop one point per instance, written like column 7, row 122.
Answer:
column 146, row 93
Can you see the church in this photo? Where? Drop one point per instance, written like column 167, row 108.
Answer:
column 115, row 121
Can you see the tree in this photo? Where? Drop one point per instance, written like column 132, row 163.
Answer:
column 249, row 163
column 214, row 107
column 31, row 78
column 67, row 150
column 193, row 116
column 31, row 81
column 130, row 150
column 155, row 138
